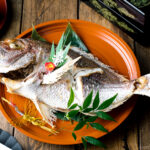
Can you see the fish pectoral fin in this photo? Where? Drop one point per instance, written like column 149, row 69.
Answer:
column 142, row 85
column 87, row 72
column 11, row 85
column 46, row 112
column 54, row 76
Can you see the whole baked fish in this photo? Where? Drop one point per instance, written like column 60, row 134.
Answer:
column 23, row 72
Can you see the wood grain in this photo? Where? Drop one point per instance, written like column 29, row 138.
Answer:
column 143, row 56
column 10, row 30
column 126, row 136
column 37, row 12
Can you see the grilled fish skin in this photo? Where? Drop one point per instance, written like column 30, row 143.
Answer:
column 23, row 72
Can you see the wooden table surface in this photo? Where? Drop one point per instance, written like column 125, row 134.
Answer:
column 132, row 134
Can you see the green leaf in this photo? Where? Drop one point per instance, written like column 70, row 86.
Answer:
column 88, row 100
column 72, row 113
column 66, row 50
column 61, row 64
column 52, row 53
column 61, row 115
column 73, row 106
column 87, row 110
column 71, row 99
column 71, row 36
column 98, row 126
column 96, row 101
column 107, row 103
column 104, row 116
column 60, row 44
column 74, row 136
column 94, row 141
column 91, row 119
column 84, row 143
column 79, row 125
column 36, row 36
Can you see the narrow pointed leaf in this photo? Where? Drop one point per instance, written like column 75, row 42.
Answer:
column 105, row 116
column 88, row 100
column 96, row 101
column 80, row 125
column 94, row 141
column 74, row 136
column 91, row 119
column 107, row 103
column 71, row 99
column 66, row 50
column 61, row 64
column 52, row 53
column 84, row 143
column 71, row 36
column 35, row 35
column 73, row 106
column 60, row 44
column 73, row 113
column 98, row 126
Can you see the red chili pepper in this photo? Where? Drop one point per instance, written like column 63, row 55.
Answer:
column 50, row 66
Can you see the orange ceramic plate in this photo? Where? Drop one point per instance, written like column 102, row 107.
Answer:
column 104, row 44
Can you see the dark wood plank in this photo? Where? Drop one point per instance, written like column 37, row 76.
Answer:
column 10, row 30
column 143, row 56
column 126, row 136
column 37, row 12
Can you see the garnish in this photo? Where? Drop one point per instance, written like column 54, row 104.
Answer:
column 35, row 121
column 49, row 66
column 87, row 121
column 57, row 58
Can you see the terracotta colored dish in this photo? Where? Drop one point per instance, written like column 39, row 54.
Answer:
column 104, row 44
column 3, row 12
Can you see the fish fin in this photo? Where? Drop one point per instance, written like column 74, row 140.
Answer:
column 54, row 76
column 11, row 85
column 46, row 112
column 87, row 71
column 142, row 85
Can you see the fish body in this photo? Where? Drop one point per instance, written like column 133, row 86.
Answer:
column 23, row 72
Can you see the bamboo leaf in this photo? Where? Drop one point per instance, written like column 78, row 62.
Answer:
column 35, row 35
column 61, row 64
column 107, row 103
column 88, row 100
column 71, row 99
column 73, row 106
column 71, row 36
column 94, row 141
column 98, row 126
column 74, row 136
column 80, row 125
column 96, row 101
column 66, row 50
column 52, row 53
column 84, row 143
column 60, row 44
column 72, row 113
column 104, row 116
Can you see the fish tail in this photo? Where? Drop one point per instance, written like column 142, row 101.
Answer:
column 142, row 85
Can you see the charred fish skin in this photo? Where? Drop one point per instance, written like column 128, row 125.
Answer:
column 86, row 74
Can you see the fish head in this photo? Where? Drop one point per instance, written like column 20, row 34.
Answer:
column 15, row 54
